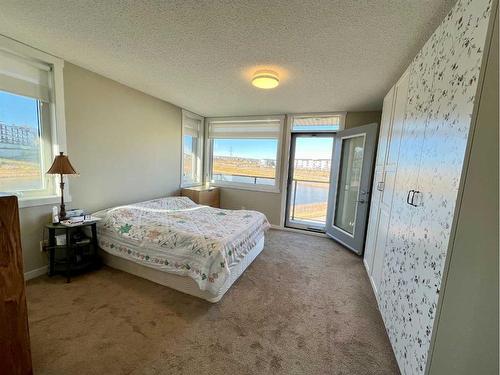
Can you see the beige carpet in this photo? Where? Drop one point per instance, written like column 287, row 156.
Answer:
column 304, row 306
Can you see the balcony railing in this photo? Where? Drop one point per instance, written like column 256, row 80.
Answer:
column 308, row 198
column 309, row 201
column 243, row 179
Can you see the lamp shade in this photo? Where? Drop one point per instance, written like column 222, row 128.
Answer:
column 61, row 165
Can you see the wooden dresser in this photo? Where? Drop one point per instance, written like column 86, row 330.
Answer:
column 209, row 196
column 15, row 353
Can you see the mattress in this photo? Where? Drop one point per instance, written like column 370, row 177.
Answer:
column 182, row 283
column 180, row 238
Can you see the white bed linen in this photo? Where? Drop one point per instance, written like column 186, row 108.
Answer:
column 176, row 235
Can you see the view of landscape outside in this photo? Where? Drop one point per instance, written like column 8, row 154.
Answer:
column 20, row 161
column 253, row 161
column 311, row 180
column 350, row 179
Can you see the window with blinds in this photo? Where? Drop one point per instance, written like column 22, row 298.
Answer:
column 244, row 152
column 26, row 96
column 317, row 123
column 192, row 149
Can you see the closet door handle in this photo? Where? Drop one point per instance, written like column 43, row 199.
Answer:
column 380, row 186
column 408, row 199
column 413, row 198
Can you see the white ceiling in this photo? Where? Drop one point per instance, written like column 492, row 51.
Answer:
column 331, row 55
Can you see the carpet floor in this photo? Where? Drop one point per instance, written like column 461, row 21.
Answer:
column 304, row 306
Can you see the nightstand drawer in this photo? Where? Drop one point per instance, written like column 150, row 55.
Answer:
column 202, row 195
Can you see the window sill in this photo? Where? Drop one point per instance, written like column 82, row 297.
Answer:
column 41, row 201
column 188, row 185
column 261, row 188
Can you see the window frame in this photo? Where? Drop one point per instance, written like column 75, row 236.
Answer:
column 57, row 119
column 200, row 153
column 276, row 188
column 342, row 116
column 287, row 152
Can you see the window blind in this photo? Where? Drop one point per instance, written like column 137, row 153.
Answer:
column 192, row 126
column 316, row 123
column 24, row 77
column 235, row 129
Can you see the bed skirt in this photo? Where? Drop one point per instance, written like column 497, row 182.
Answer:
column 183, row 284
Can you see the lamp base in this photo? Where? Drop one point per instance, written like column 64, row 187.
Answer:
column 62, row 213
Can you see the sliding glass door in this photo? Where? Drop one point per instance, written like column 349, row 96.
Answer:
column 309, row 180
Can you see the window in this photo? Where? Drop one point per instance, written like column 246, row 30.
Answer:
column 317, row 123
column 245, row 152
column 31, row 128
column 192, row 148
column 21, row 144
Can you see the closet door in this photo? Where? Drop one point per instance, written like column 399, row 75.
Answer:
column 389, row 178
column 378, row 179
column 443, row 151
column 396, row 272
column 442, row 86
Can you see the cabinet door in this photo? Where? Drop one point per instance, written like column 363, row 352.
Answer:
column 378, row 178
column 390, row 169
column 442, row 85
column 397, row 273
column 443, row 152
column 371, row 233
column 385, row 127
column 401, row 99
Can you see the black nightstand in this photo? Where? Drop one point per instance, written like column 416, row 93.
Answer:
column 78, row 254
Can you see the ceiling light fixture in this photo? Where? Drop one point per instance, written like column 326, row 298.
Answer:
column 265, row 79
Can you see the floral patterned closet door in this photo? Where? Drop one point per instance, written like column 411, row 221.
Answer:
column 442, row 89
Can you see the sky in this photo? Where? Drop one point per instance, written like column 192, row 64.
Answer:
column 307, row 148
column 314, row 148
column 18, row 110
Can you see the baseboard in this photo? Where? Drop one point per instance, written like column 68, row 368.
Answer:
column 367, row 268
column 35, row 273
column 372, row 282
column 307, row 232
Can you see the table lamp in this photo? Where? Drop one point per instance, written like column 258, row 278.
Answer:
column 61, row 166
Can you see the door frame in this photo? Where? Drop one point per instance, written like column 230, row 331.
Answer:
column 291, row 166
column 350, row 241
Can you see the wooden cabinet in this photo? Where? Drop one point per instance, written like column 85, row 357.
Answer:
column 208, row 196
column 15, row 353
column 79, row 252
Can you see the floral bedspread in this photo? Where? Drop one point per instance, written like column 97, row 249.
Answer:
column 176, row 235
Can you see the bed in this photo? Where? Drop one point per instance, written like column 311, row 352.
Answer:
column 195, row 249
